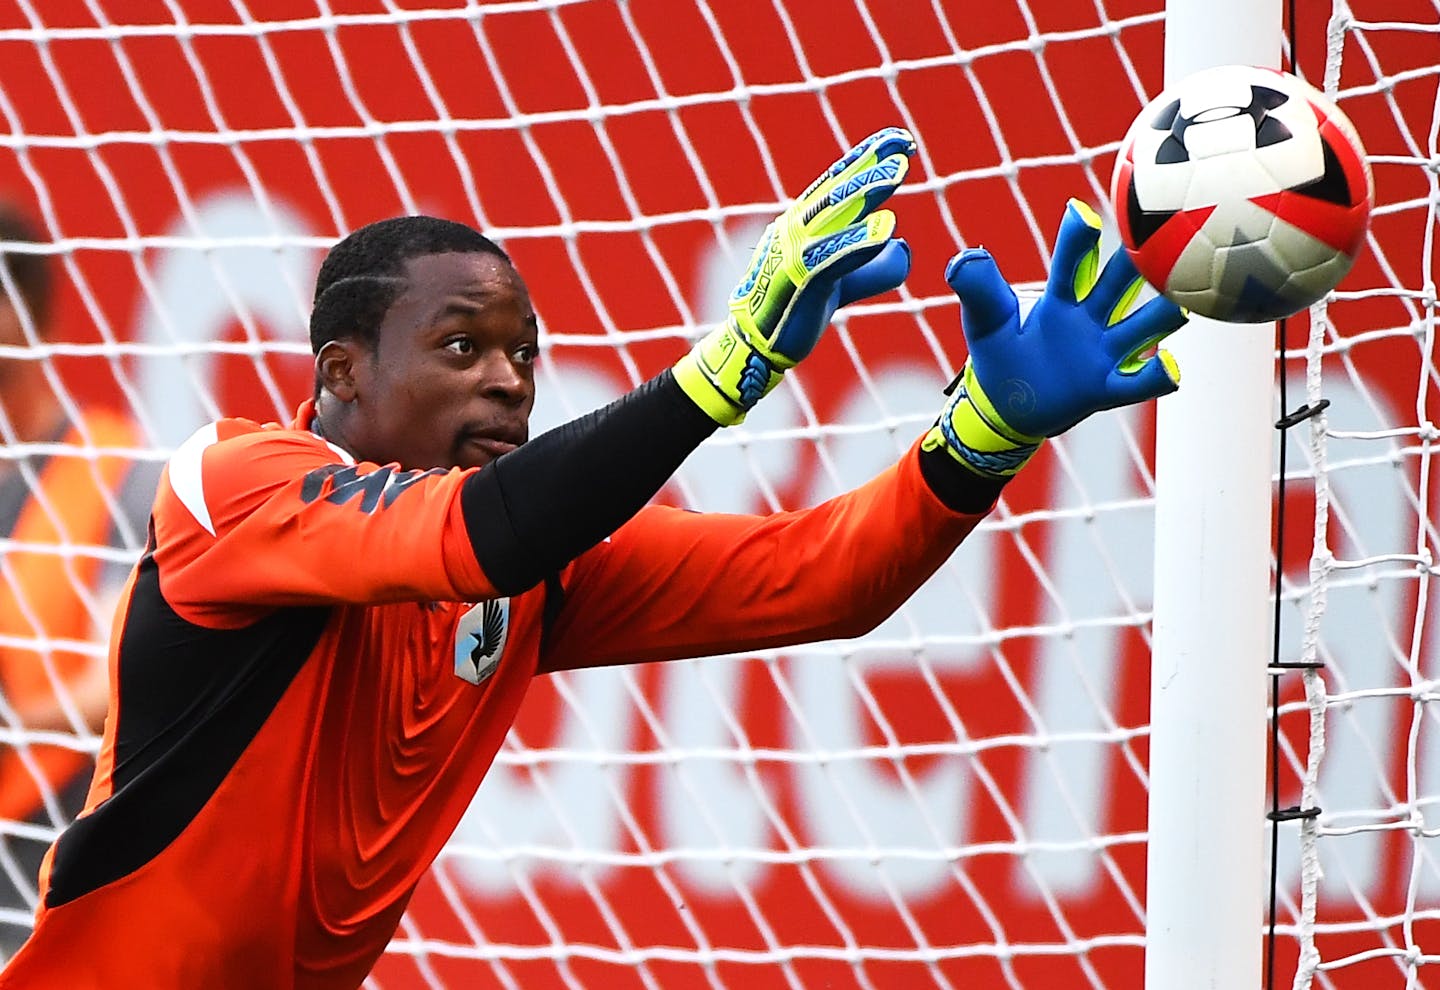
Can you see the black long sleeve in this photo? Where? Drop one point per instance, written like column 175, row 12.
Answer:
column 540, row 506
column 956, row 485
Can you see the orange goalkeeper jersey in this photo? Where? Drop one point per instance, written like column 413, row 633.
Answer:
column 312, row 673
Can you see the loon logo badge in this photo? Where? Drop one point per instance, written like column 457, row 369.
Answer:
column 480, row 640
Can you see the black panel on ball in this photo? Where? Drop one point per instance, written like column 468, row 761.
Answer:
column 1143, row 223
column 1332, row 186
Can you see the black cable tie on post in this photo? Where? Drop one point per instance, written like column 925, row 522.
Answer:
column 1300, row 415
column 1279, row 667
column 1293, row 814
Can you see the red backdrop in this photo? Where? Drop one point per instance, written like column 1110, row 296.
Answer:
column 113, row 142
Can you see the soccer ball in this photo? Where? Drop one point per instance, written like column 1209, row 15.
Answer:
column 1242, row 194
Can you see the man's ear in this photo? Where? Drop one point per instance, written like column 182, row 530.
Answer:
column 338, row 368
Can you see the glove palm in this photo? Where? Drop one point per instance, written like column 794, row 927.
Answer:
column 1078, row 351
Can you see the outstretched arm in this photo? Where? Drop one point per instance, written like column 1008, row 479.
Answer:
column 831, row 246
column 675, row 584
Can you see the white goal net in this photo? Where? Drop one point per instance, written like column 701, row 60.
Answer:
column 1360, row 754
column 956, row 800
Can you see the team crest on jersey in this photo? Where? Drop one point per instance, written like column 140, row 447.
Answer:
column 480, row 640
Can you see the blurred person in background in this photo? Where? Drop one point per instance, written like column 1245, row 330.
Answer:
column 56, row 506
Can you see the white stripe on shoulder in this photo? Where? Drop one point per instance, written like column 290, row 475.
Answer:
column 341, row 451
column 185, row 474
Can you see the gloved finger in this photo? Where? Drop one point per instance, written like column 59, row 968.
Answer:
column 1116, row 288
column 1158, row 376
column 1144, row 328
column 882, row 144
column 843, row 254
column 854, row 196
column 987, row 303
column 885, row 271
column 828, row 259
column 1077, row 245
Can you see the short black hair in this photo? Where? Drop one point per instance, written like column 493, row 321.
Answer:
column 29, row 272
column 364, row 273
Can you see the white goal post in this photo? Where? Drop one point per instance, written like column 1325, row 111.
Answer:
column 977, row 794
column 1214, row 460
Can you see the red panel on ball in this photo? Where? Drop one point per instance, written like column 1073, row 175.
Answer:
column 1158, row 256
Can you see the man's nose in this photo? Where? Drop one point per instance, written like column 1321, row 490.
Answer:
column 501, row 376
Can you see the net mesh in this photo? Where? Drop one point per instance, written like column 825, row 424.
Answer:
column 958, row 798
column 1358, row 727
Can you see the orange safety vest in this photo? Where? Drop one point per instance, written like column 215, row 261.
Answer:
column 43, row 597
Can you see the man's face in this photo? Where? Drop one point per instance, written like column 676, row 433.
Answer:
column 451, row 380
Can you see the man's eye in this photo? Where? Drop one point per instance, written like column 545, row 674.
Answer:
column 460, row 345
column 527, row 353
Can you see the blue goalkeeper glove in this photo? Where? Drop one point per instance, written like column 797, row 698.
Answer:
column 829, row 248
column 1079, row 350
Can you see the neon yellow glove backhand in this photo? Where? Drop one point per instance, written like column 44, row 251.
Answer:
column 828, row 249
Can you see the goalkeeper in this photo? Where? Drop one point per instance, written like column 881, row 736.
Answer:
column 335, row 621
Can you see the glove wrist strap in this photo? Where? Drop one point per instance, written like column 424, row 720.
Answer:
column 973, row 433
column 725, row 376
